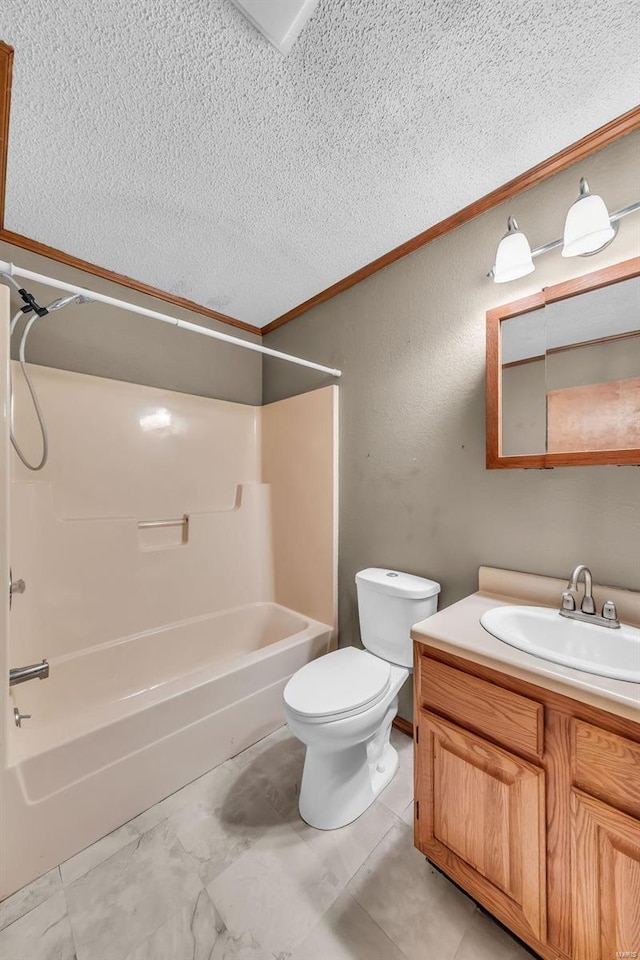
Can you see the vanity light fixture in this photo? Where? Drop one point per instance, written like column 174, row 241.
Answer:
column 588, row 229
column 513, row 256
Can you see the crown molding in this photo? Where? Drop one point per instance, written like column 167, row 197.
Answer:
column 6, row 75
column 597, row 140
column 52, row 253
column 34, row 246
column 602, row 137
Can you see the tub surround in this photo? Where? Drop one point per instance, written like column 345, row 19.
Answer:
column 169, row 644
column 299, row 453
column 542, row 760
column 123, row 454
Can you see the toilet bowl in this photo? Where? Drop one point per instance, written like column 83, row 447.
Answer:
column 342, row 705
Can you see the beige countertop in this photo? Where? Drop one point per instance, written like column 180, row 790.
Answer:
column 457, row 630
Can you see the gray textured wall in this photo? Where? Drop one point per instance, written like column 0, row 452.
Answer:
column 107, row 342
column 415, row 494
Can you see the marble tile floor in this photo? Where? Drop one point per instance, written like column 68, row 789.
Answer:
column 226, row 870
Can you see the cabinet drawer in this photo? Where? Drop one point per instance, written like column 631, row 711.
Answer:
column 606, row 766
column 507, row 718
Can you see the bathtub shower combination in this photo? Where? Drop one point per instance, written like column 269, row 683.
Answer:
column 179, row 557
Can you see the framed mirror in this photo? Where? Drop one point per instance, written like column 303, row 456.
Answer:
column 563, row 374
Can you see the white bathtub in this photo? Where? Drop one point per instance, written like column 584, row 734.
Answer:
column 116, row 728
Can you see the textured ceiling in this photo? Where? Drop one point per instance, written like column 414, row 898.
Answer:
column 168, row 140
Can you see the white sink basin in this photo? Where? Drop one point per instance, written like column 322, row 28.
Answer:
column 542, row 632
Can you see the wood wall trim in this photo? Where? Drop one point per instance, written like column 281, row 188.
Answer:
column 602, row 137
column 519, row 363
column 6, row 74
column 628, row 335
column 404, row 726
column 34, row 246
column 560, row 291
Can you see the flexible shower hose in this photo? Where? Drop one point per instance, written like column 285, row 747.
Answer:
column 34, row 397
column 54, row 305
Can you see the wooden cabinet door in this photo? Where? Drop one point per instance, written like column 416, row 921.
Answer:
column 481, row 816
column 605, row 874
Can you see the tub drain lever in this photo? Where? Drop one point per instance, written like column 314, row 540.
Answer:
column 15, row 586
column 19, row 717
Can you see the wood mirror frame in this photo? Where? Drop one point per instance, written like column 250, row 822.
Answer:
column 561, row 291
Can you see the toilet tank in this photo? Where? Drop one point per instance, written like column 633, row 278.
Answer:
column 389, row 603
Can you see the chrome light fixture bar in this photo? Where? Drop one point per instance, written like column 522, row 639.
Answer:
column 589, row 229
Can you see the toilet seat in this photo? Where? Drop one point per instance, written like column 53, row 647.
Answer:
column 338, row 685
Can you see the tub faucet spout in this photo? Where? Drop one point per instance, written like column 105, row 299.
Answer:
column 22, row 674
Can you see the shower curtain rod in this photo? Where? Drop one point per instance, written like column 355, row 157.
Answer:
column 14, row 271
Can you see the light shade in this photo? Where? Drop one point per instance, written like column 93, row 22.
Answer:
column 587, row 228
column 513, row 256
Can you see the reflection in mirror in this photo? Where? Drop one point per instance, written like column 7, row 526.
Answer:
column 524, row 401
column 571, row 374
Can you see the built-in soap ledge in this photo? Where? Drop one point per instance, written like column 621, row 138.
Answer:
column 160, row 534
column 41, row 498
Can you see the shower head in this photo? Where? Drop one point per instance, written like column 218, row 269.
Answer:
column 30, row 301
column 65, row 301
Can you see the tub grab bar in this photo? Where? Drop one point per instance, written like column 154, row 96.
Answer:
column 178, row 522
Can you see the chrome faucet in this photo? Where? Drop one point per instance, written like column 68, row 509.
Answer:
column 22, row 674
column 587, row 605
column 587, row 611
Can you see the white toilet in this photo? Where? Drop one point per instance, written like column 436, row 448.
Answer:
column 342, row 705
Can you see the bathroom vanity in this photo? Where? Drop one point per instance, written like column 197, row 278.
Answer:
column 527, row 778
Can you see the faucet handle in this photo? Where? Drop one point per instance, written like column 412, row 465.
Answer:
column 609, row 611
column 568, row 602
column 588, row 604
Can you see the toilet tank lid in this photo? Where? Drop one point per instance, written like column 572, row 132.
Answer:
column 396, row 584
